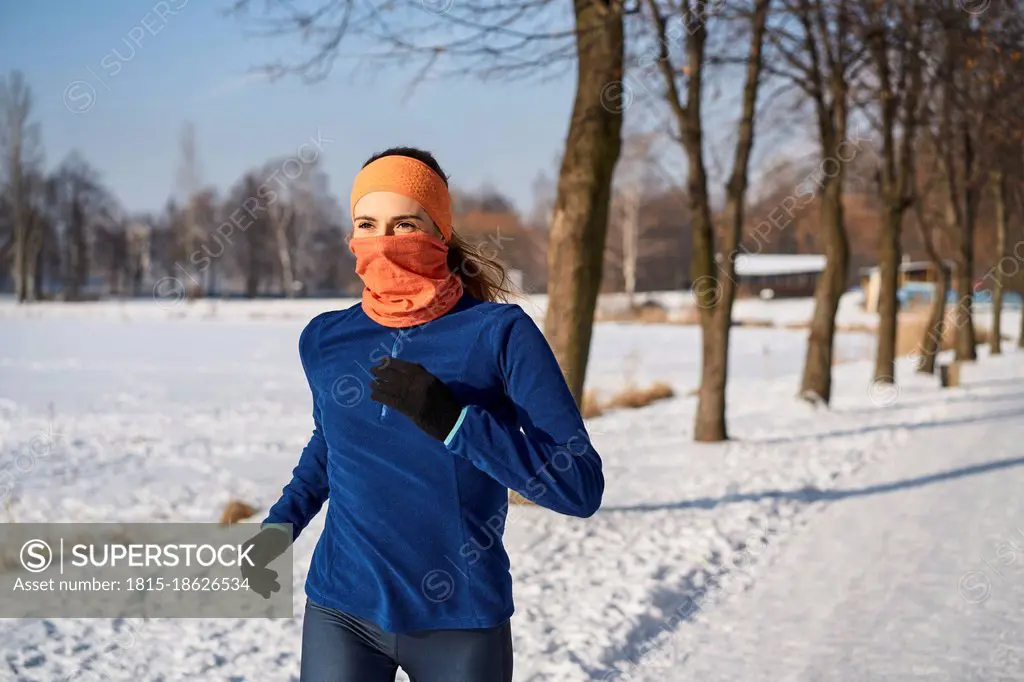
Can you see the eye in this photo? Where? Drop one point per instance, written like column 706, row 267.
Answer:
column 406, row 225
column 365, row 225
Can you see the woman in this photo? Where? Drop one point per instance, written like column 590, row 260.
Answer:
column 465, row 400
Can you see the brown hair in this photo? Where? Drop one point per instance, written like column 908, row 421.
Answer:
column 483, row 276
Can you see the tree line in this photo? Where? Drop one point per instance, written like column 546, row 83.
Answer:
column 891, row 127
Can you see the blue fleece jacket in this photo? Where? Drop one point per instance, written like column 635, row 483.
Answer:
column 412, row 539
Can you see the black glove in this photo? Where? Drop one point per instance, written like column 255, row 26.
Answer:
column 416, row 393
column 265, row 546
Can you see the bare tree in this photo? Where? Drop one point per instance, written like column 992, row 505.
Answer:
column 291, row 210
column 1002, row 227
column 1020, row 221
column 281, row 215
column 253, row 250
column 814, row 47
column 977, row 123
column 713, row 271
column 635, row 178
column 37, row 202
column 956, row 144
column 6, row 233
column 138, row 235
column 580, row 220
column 83, row 205
column 631, row 201
column 189, row 183
column 314, row 208
column 999, row 74
column 22, row 155
column 929, row 227
column 892, row 32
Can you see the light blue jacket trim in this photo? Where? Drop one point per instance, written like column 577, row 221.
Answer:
column 455, row 429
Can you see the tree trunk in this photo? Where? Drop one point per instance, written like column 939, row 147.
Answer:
column 931, row 343
column 829, row 92
column 39, row 270
column 995, row 344
column 878, row 43
column 580, row 221
column 252, row 283
column 888, row 302
column 900, row 95
column 79, row 248
column 33, row 249
column 631, row 243
column 709, row 423
column 709, row 289
column 20, row 244
column 282, row 218
column 816, row 382
column 20, row 227
column 1020, row 337
column 965, row 339
column 193, row 288
column 716, row 322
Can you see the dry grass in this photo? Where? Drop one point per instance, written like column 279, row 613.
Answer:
column 629, row 397
column 643, row 314
column 236, row 511
column 851, row 328
column 592, row 406
column 651, row 315
column 857, row 328
column 516, row 498
column 688, row 315
column 911, row 329
column 761, row 324
column 639, row 397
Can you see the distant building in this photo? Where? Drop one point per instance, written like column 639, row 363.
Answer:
column 782, row 275
column 910, row 272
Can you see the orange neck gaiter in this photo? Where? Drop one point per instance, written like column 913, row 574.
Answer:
column 406, row 278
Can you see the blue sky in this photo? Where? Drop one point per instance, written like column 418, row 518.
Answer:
column 122, row 103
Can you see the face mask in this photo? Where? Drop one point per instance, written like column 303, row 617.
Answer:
column 406, row 278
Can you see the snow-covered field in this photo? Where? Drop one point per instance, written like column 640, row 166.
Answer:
column 139, row 412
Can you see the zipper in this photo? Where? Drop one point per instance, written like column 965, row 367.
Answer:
column 394, row 354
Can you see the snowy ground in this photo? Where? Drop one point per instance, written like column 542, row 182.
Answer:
column 137, row 412
column 910, row 569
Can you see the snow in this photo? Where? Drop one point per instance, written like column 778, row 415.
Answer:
column 910, row 569
column 133, row 412
column 764, row 264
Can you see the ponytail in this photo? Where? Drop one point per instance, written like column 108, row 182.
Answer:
column 484, row 277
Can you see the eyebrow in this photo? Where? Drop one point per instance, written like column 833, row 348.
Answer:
column 393, row 218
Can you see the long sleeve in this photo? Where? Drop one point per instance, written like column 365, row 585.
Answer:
column 547, row 457
column 308, row 489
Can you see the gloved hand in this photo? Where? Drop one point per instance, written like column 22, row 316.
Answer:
column 263, row 548
column 416, row 393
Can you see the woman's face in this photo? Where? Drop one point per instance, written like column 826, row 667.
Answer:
column 381, row 214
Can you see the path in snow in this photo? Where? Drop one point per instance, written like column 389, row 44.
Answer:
column 913, row 569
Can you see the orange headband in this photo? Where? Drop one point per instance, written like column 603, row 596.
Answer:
column 411, row 178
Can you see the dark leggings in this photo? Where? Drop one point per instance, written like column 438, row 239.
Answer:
column 338, row 647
